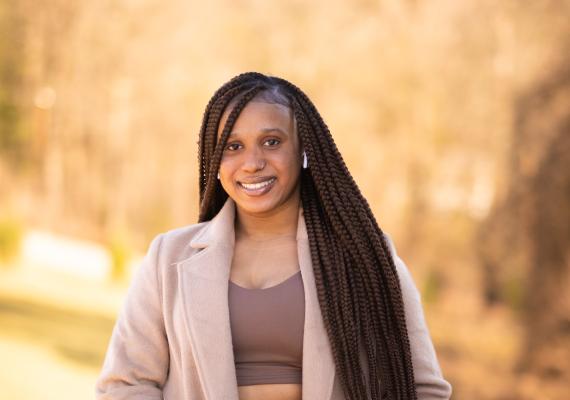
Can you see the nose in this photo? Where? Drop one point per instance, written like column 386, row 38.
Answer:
column 253, row 160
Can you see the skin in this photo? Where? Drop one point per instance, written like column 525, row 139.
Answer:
column 264, row 143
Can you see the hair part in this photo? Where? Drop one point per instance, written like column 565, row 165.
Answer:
column 270, row 95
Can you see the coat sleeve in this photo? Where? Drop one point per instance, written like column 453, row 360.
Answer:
column 430, row 384
column 137, row 359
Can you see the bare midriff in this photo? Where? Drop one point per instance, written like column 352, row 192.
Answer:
column 274, row 391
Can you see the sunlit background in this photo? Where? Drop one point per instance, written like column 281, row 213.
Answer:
column 453, row 117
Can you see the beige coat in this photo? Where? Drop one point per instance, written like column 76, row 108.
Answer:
column 172, row 339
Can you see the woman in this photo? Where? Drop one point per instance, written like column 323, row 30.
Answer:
column 286, row 288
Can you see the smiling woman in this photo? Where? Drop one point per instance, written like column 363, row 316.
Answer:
column 261, row 162
column 286, row 288
column 259, row 171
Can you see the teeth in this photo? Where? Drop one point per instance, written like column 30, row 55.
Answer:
column 255, row 186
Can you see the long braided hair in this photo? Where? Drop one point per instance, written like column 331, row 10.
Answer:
column 358, row 288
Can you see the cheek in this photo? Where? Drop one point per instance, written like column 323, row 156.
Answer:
column 227, row 175
column 228, row 165
column 287, row 166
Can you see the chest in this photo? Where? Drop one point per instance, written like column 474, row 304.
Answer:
column 261, row 265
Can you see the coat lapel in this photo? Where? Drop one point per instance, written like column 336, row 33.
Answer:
column 318, row 363
column 204, row 286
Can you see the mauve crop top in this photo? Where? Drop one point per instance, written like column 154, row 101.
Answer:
column 267, row 332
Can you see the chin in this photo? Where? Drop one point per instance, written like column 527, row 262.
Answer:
column 256, row 206
column 261, row 205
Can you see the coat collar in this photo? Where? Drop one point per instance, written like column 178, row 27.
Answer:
column 204, row 286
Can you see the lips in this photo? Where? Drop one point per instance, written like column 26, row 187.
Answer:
column 257, row 189
column 257, row 185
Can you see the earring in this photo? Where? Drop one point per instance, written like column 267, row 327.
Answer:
column 218, row 175
column 305, row 161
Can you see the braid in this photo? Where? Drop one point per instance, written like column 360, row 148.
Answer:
column 211, row 119
column 212, row 195
column 356, row 280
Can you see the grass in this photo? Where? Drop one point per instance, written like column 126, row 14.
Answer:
column 77, row 336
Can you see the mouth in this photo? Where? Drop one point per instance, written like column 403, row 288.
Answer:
column 257, row 189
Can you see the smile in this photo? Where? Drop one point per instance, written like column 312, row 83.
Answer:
column 257, row 188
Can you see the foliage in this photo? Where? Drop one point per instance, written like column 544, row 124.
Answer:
column 120, row 253
column 11, row 236
column 433, row 286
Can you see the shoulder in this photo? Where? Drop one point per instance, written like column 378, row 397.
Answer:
column 391, row 245
column 407, row 284
column 175, row 244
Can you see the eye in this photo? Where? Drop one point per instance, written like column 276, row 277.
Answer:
column 274, row 141
column 232, row 147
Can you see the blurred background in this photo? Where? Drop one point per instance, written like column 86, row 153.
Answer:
column 453, row 117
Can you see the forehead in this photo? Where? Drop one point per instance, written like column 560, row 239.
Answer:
column 258, row 117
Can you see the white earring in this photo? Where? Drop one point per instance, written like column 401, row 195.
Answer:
column 218, row 175
column 305, row 161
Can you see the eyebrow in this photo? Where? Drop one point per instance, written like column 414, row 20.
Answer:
column 267, row 130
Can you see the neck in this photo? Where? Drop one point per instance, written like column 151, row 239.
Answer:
column 279, row 224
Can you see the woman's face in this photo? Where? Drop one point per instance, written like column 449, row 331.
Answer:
column 261, row 162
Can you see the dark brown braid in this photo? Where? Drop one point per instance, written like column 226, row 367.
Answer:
column 357, row 284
